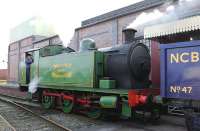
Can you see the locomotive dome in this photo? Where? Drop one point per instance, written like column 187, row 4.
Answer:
column 87, row 44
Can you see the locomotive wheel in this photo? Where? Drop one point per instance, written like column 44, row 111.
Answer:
column 94, row 113
column 155, row 115
column 67, row 106
column 48, row 101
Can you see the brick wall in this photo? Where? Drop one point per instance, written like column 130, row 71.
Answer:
column 3, row 74
column 107, row 33
column 16, row 54
column 106, row 29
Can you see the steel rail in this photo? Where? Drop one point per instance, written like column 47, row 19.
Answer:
column 35, row 114
column 5, row 121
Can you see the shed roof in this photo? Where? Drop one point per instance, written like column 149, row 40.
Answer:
column 122, row 12
column 174, row 27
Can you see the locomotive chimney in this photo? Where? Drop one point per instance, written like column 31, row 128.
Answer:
column 128, row 35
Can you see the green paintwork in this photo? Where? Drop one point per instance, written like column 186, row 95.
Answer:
column 159, row 99
column 87, row 69
column 22, row 72
column 87, row 44
column 48, row 102
column 108, row 101
column 99, row 67
column 94, row 113
column 51, row 50
column 107, row 84
column 67, row 106
column 71, row 69
column 126, row 110
column 121, row 92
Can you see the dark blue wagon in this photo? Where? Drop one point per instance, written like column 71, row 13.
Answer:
column 180, row 78
column 180, row 70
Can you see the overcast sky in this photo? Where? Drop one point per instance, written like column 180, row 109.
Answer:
column 65, row 15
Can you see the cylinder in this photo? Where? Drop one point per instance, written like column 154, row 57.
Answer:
column 108, row 101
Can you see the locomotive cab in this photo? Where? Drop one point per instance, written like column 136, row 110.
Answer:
column 27, row 68
column 28, row 61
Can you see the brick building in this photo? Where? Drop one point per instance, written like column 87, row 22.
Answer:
column 106, row 29
column 16, row 52
column 3, row 74
column 22, row 38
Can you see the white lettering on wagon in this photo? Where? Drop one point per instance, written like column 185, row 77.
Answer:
column 185, row 57
column 181, row 89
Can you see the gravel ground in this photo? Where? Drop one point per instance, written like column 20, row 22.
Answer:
column 13, row 92
column 74, row 122
column 135, row 126
column 78, row 122
column 5, row 125
column 22, row 120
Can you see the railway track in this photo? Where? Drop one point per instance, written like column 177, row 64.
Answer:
column 15, row 117
column 20, row 100
column 82, row 123
column 5, row 125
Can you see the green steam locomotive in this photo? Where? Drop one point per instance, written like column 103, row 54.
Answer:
column 112, row 81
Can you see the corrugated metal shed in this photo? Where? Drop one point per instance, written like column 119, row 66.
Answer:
column 175, row 27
